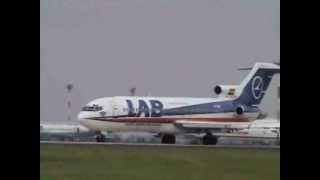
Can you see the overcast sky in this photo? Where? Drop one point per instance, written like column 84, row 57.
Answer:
column 163, row 47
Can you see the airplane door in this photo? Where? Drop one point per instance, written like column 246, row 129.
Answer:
column 115, row 108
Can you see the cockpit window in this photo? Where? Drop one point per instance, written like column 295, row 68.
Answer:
column 92, row 108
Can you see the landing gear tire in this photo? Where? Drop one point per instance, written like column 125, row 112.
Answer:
column 101, row 138
column 209, row 139
column 168, row 139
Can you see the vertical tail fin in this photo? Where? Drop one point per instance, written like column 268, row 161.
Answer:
column 256, row 83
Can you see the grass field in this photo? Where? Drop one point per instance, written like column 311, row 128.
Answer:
column 72, row 162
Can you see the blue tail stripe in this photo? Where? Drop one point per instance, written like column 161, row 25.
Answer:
column 256, row 88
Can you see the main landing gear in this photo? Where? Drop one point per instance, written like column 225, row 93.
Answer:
column 168, row 139
column 209, row 139
column 100, row 138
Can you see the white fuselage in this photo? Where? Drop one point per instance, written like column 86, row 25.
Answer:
column 235, row 104
column 263, row 128
column 155, row 114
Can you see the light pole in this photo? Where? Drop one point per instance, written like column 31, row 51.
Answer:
column 69, row 89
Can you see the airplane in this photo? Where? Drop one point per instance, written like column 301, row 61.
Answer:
column 265, row 130
column 235, row 107
column 64, row 131
column 260, row 129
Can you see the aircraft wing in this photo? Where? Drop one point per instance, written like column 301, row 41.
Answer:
column 207, row 125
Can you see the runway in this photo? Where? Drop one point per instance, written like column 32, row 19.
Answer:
column 161, row 145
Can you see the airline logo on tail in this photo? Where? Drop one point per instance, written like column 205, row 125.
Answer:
column 257, row 87
column 256, row 83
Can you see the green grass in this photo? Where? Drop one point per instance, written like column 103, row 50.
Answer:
column 72, row 162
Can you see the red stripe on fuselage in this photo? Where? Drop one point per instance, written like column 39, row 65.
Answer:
column 168, row 120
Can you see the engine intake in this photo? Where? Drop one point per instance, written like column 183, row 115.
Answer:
column 218, row 90
column 225, row 90
column 239, row 110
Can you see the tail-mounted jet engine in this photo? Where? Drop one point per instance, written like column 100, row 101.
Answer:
column 239, row 110
column 225, row 90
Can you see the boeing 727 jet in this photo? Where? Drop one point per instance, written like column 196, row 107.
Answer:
column 235, row 107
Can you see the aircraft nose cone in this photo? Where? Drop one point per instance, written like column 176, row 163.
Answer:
column 81, row 116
